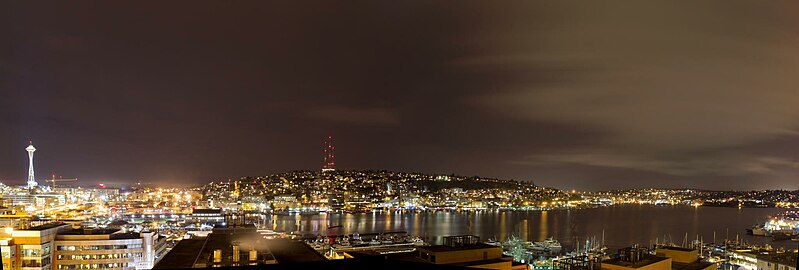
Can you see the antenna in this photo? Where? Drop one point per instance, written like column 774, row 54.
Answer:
column 328, row 155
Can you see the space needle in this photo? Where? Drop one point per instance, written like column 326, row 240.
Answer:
column 31, row 180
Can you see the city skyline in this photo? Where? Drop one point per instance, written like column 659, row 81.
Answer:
column 573, row 96
column 473, row 134
column 328, row 168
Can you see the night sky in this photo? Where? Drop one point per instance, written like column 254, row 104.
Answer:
column 590, row 95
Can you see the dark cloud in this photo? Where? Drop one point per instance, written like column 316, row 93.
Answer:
column 570, row 94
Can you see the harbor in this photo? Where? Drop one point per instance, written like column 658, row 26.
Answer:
column 784, row 226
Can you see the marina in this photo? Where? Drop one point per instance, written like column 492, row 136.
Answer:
column 622, row 225
column 783, row 226
column 727, row 246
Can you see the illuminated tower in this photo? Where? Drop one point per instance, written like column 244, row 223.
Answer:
column 31, row 180
column 328, row 156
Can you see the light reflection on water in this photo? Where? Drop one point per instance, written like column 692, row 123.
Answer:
column 543, row 229
column 623, row 225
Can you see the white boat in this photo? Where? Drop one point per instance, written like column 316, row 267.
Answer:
column 759, row 231
column 553, row 245
column 493, row 242
column 549, row 245
column 418, row 242
column 345, row 241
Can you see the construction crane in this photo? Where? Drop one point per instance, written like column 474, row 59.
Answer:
column 54, row 180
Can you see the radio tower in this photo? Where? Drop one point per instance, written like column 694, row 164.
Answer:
column 329, row 156
column 31, row 180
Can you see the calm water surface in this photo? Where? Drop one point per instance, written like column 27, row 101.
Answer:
column 622, row 225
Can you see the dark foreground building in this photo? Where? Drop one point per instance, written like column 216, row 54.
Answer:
column 464, row 251
column 242, row 247
column 666, row 258
column 235, row 245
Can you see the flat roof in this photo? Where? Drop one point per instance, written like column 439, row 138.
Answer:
column 290, row 251
column 44, row 227
column 404, row 256
column 647, row 260
column 183, row 255
column 443, row 248
column 782, row 258
column 676, row 248
column 480, row 262
column 698, row 265
column 355, row 264
column 98, row 231
column 130, row 235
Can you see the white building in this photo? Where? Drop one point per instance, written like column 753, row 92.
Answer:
column 60, row 246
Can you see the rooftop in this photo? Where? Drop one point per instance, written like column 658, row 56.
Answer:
column 676, row 248
column 129, row 235
column 370, row 263
column 443, row 248
column 698, row 265
column 403, row 256
column 44, row 226
column 96, row 234
column 182, row 255
column 220, row 229
column 646, row 260
column 98, row 231
column 480, row 262
column 782, row 258
column 289, row 251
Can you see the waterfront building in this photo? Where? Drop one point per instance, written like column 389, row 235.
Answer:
column 466, row 251
column 284, row 202
column 777, row 261
column 666, row 258
column 107, row 249
column 33, row 246
column 684, row 258
column 765, row 260
column 9, row 253
column 235, row 245
column 207, row 216
column 60, row 246
column 646, row 262
column 457, row 252
column 335, row 201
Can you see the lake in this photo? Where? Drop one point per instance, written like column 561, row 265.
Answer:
column 622, row 225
